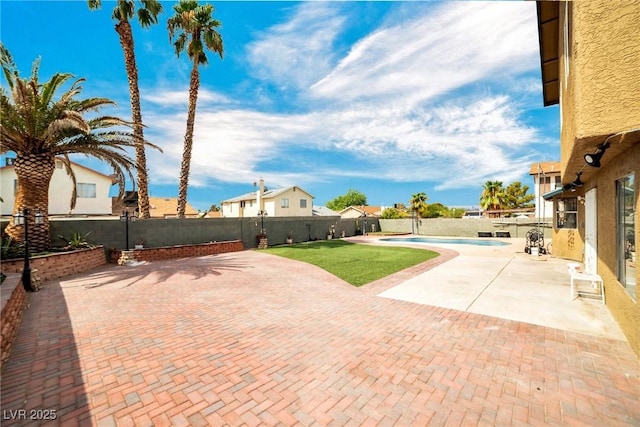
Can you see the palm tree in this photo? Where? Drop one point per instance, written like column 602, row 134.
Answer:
column 194, row 24
column 40, row 129
column 147, row 15
column 493, row 196
column 418, row 206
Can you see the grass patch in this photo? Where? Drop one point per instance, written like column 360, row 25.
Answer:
column 354, row 263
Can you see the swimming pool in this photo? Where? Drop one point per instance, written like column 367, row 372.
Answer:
column 436, row 240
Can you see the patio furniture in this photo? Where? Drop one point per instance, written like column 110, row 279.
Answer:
column 595, row 280
column 503, row 234
column 535, row 242
column 485, row 234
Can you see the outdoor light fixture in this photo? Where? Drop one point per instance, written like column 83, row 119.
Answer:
column 594, row 159
column 21, row 218
column 18, row 218
column 577, row 182
column 39, row 218
column 126, row 218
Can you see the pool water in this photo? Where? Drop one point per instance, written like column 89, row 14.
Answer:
column 436, row 240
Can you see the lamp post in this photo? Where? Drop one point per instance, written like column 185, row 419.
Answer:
column 262, row 215
column 126, row 218
column 22, row 218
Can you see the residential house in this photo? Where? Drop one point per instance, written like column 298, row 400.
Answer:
column 323, row 211
column 92, row 190
column 288, row 201
column 546, row 178
column 360, row 211
column 167, row 207
column 159, row 207
column 589, row 53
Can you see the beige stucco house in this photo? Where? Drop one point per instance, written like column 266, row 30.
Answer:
column 288, row 201
column 546, row 178
column 92, row 188
column 590, row 56
column 360, row 211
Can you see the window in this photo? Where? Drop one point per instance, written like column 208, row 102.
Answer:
column 303, row 203
column 58, row 164
column 626, row 230
column 567, row 213
column 284, row 203
column 86, row 191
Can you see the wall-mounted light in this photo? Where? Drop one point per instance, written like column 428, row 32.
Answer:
column 594, row 159
column 577, row 182
column 581, row 200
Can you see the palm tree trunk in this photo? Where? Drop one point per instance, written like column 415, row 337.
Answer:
column 34, row 173
column 188, row 139
column 123, row 28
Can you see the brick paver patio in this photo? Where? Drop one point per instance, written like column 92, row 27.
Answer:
column 252, row 339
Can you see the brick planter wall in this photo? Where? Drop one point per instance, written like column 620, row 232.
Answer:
column 14, row 302
column 180, row 251
column 61, row 264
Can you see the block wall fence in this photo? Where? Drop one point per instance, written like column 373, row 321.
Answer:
column 154, row 233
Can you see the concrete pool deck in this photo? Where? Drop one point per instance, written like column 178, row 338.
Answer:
column 504, row 282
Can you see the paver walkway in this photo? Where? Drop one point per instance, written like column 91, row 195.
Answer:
column 252, row 339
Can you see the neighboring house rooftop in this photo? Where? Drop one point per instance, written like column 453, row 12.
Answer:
column 544, row 167
column 159, row 207
column 165, row 207
column 324, row 211
column 74, row 165
column 268, row 194
column 364, row 210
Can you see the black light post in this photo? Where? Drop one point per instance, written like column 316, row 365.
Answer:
column 126, row 217
column 262, row 215
column 22, row 218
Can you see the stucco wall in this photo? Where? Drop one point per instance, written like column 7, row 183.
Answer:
column 598, row 96
column 456, row 227
column 606, row 50
column 624, row 309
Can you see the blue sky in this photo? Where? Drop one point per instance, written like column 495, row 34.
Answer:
column 388, row 98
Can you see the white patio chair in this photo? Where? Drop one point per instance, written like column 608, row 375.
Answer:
column 595, row 280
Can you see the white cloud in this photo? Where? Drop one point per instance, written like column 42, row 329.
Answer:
column 457, row 44
column 296, row 53
column 381, row 110
column 181, row 97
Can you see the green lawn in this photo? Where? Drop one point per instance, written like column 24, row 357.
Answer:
column 354, row 263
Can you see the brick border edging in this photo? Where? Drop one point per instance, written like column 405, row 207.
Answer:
column 180, row 251
column 12, row 310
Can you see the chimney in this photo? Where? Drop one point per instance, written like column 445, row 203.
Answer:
column 260, row 195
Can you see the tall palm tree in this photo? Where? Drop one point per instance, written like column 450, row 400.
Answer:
column 147, row 14
column 493, row 196
column 418, row 207
column 40, row 128
column 191, row 25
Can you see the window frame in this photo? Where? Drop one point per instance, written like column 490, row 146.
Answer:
column 86, row 185
column 562, row 213
column 625, row 233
